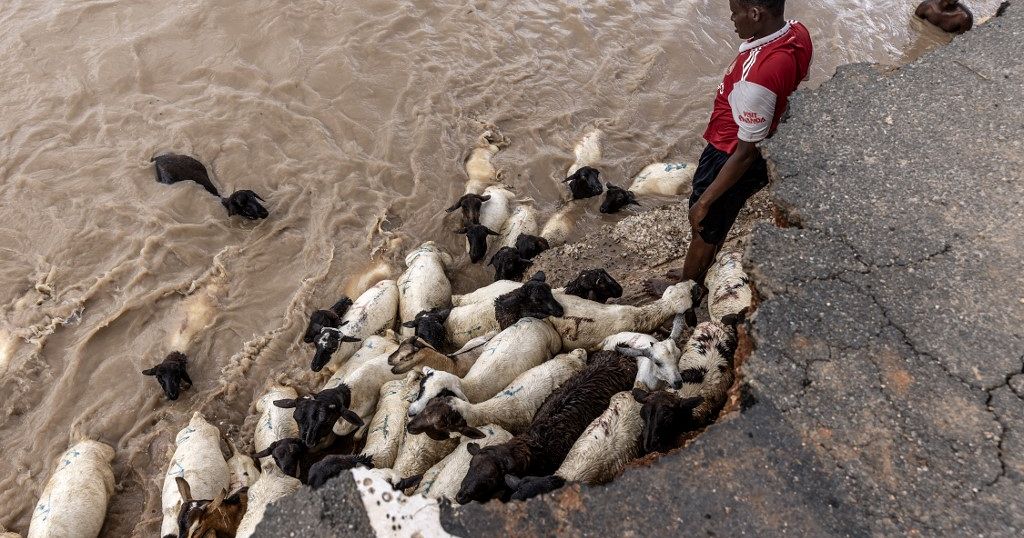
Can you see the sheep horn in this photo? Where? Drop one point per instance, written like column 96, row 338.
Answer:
column 677, row 326
column 632, row 352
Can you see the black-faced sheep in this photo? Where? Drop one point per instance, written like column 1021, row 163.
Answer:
column 616, row 198
column 533, row 299
column 326, row 318
column 429, row 326
column 585, row 183
column 529, row 246
column 327, row 344
column 171, row 374
column 594, row 284
column 220, row 516
column 172, row 168
column 509, row 264
column 291, row 455
column 322, row 471
column 476, row 238
column 470, row 205
column 558, row 423
column 317, row 413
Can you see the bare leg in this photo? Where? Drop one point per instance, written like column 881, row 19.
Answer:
column 699, row 257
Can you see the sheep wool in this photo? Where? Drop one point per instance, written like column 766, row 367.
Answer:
column 374, row 311
column 496, row 211
column 587, row 151
column 372, row 347
column 667, row 179
column 486, row 294
column 610, row 442
column 727, row 265
column 199, row 461
column 243, row 470
column 479, row 169
column 275, row 423
column 418, row 453
column 424, row 285
column 443, row 480
column 271, row 486
column 513, row 351
column 523, row 220
column 74, row 503
column 384, row 434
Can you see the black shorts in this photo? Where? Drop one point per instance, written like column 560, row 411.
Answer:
column 723, row 212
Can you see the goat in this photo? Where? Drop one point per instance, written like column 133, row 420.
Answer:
column 219, row 517
column 727, row 265
column 667, row 179
column 512, row 409
column 707, row 374
column 585, row 324
column 326, row 318
column 242, row 468
column 172, row 168
column 271, row 486
column 275, row 422
column 415, row 351
column 317, row 414
column 595, row 285
column 522, row 222
column 371, row 313
column 657, row 362
column 731, row 300
column 199, row 461
column 442, row 481
column 533, row 299
column 513, row 351
column 74, row 502
column 562, row 418
column 509, row 264
column 470, row 205
column 584, row 183
column 424, row 285
column 429, row 326
column 610, row 442
column 476, row 240
column 171, row 374
column 616, row 198
column 529, row 246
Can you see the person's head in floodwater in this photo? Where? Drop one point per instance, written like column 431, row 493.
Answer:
column 754, row 18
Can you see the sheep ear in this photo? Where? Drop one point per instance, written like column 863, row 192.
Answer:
column 471, row 432
column 491, row 232
column 263, row 453
column 350, row 339
column 640, row 394
column 183, row 488
column 285, row 404
column 485, row 198
column 457, row 205
column 473, row 449
column 690, row 403
column 407, row 483
column 149, row 371
column 539, row 276
column 351, row 416
column 628, row 351
column 513, row 482
column 409, row 324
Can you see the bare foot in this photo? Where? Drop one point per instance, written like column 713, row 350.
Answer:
column 676, row 274
column 656, row 287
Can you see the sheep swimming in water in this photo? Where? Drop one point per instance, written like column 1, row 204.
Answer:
column 172, row 168
column 171, row 374
column 326, row 318
column 74, row 502
column 617, row 198
column 585, row 183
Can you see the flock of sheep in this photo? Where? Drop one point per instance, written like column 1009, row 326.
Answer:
column 507, row 392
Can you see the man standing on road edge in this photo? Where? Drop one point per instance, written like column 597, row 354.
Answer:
column 751, row 99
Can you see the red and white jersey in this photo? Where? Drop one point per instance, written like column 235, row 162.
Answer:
column 755, row 91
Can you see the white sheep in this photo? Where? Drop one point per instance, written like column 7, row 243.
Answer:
column 727, row 265
column 271, row 486
column 668, row 179
column 74, row 503
column 4, row 533
column 243, row 470
column 274, row 423
column 486, row 294
column 524, row 345
column 469, row 321
column 656, row 361
column 732, row 297
column 512, row 409
column 479, row 169
column 443, row 480
column 371, row 313
column 562, row 223
column 372, row 347
column 585, row 324
column 496, row 211
column 610, row 442
column 386, row 429
column 587, row 151
column 523, row 220
column 200, row 462
column 418, row 453
column 424, row 285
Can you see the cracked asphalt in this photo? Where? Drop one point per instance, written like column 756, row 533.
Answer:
column 885, row 394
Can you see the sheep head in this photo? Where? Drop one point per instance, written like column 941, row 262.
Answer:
column 435, row 383
column 429, row 325
column 440, row 418
column 585, row 183
column 327, row 343
column 509, row 264
column 476, row 236
column 616, row 198
column 287, row 453
column 317, row 413
column 470, row 205
column 245, row 203
column 533, row 299
column 171, row 374
column 595, row 285
column 656, row 364
column 529, row 246
column 487, row 470
column 220, row 516
column 331, row 466
column 665, row 416
column 411, row 352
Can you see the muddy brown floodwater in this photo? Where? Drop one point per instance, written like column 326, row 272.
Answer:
column 353, row 120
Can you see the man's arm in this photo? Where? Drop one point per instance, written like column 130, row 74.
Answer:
column 737, row 165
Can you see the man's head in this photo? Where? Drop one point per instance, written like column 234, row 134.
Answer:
column 755, row 18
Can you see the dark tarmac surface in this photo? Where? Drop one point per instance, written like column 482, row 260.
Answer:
column 885, row 395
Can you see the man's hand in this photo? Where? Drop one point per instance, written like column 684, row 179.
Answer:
column 697, row 214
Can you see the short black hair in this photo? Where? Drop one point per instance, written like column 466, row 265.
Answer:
column 776, row 7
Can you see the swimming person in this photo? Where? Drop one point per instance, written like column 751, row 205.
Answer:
column 750, row 101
